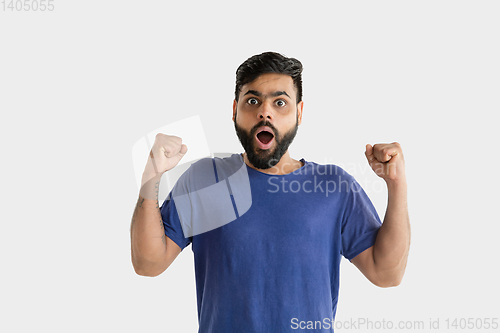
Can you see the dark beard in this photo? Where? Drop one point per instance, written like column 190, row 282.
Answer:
column 265, row 158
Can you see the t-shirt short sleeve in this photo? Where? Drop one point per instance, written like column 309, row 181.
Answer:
column 172, row 224
column 360, row 223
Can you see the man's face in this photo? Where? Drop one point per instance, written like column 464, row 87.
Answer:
column 266, row 118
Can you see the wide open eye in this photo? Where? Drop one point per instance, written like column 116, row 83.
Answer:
column 280, row 102
column 252, row 101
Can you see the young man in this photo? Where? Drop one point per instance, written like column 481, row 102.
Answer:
column 275, row 264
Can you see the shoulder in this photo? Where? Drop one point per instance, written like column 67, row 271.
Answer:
column 327, row 171
column 208, row 171
column 208, row 163
column 220, row 163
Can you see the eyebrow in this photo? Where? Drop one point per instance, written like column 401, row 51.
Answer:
column 274, row 94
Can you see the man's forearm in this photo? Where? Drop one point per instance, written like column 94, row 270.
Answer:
column 392, row 245
column 147, row 232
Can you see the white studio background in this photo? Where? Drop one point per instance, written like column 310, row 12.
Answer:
column 79, row 85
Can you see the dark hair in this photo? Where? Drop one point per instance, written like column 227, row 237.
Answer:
column 269, row 62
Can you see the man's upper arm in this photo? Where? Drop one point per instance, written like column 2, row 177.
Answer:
column 172, row 252
column 165, row 260
column 154, row 267
column 365, row 263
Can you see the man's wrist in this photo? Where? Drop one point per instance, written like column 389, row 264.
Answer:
column 150, row 185
column 396, row 184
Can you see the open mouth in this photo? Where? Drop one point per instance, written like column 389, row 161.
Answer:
column 264, row 137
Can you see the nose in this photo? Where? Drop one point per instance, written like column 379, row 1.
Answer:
column 265, row 112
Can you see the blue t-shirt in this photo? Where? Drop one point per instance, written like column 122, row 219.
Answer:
column 276, row 264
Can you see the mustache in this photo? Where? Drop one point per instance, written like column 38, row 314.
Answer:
column 261, row 124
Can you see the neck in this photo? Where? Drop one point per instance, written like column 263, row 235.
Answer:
column 284, row 166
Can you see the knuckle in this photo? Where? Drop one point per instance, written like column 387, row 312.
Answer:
column 169, row 147
column 176, row 140
column 160, row 136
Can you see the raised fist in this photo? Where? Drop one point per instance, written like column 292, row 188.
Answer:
column 166, row 152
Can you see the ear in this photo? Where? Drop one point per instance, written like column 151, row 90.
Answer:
column 235, row 104
column 300, row 107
